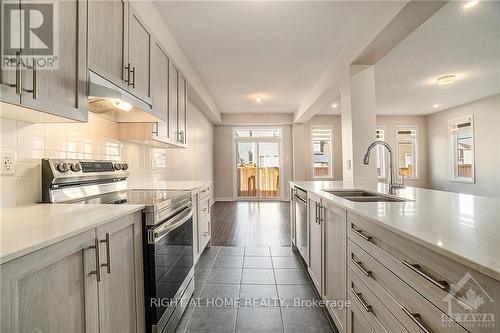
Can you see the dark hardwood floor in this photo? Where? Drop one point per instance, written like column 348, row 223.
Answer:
column 251, row 223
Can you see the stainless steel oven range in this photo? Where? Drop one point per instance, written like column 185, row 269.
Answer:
column 167, row 229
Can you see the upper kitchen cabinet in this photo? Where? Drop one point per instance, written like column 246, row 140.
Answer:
column 120, row 47
column 159, row 89
column 139, row 55
column 173, row 105
column 108, row 40
column 52, row 78
column 182, row 109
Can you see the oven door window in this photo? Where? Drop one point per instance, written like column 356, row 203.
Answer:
column 173, row 260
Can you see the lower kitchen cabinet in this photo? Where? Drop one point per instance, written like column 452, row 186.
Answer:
column 203, row 232
column 356, row 322
column 65, row 287
column 315, row 240
column 334, row 260
column 121, row 293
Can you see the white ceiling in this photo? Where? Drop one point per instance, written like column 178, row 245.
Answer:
column 277, row 50
column 465, row 42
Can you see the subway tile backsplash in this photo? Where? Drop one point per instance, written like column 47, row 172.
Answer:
column 97, row 139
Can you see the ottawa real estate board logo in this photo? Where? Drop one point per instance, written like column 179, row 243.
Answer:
column 29, row 35
column 469, row 304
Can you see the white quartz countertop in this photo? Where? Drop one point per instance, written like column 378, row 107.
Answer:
column 175, row 185
column 463, row 227
column 30, row 228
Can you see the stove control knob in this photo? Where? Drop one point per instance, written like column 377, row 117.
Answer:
column 75, row 167
column 117, row 166
column 63, row 167
column 124, row 166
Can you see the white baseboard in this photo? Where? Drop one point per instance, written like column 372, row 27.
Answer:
column 224, row 199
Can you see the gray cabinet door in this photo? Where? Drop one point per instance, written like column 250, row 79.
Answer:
column 108, row 36
column 173, row 104
column 52, row 289
column 315, row 241
column 139, row 53
column 10, row 77
column 182, row 113
column 159, row 89
column 334, row 259
column 121, row 297
column 60, row 90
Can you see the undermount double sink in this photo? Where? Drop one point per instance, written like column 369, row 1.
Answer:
column 363, row 196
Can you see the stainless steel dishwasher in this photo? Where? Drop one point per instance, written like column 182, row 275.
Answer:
column 301, row 228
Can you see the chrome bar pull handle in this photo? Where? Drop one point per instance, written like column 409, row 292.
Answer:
column 359, row 297
column 443, row 285
column 127, row 80
column 18, row 73
column 133, row 77
column 108, row 254
column 97, row 260
column 358, row 232
column 35, row 81
column 359, row 265
column 417, row 319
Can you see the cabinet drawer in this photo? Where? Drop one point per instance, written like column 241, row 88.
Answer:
column 203, row 234
column 440, row 280
column 375, row 312
column 204, row 209
column 397, row 296
column 204, row 192
column 356, row 321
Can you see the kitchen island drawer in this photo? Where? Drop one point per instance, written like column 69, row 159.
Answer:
column 356, row 321
column 415, row 312
column 441, row 280
column 204, row 209
column 379, row 317
column 204, row 192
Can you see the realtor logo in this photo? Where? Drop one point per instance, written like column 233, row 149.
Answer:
column 29, row 34
column 473, row 301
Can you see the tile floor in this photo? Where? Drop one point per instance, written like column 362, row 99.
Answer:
column 252, row 289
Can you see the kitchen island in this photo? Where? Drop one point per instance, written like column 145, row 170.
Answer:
column 413, row 260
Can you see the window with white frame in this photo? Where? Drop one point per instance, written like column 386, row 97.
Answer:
column 322, row 161
column 462, row 149
column 407, row 151
column 380, row 154
column 257, row 133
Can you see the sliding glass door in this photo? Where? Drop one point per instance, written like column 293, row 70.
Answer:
column 257, row 166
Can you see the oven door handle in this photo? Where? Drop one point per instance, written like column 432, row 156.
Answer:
column 159, row 233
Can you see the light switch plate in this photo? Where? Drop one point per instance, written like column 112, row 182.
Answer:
column 8, row 160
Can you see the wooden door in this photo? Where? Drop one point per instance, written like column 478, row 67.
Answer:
column 108, row 39
column 173, row 104
column 182, row 112
column 315, row 240
column 159, row 90
column 10, row 77
column 121, row 298
column 334, row 259
column 60, row 89
column 139, row 53
column 52, row 289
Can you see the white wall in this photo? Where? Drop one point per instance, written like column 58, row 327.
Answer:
column 486, row 114
column 390, row 124
column 98, row 139
column 302, row 149
column 223, row 161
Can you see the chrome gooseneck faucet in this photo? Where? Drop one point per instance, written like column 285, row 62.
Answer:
column 392, row 184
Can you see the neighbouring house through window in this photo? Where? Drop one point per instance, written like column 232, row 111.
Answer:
column 322, row 151
column 407, row 151
column 462, row 149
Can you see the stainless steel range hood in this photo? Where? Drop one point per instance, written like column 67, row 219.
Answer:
column 117, row 104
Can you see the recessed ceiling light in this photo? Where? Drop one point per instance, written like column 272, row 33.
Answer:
column 335, row 105
column 258, row 99
column 436, row 106
column 122, row 105
column 470, row 3
column 446, row 79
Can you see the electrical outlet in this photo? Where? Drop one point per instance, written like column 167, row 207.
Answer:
column 8, row 161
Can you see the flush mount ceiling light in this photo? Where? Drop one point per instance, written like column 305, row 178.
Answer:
column 335, row 105
column 122, row 105
column 446, row 79
column 470, row 4
column 435, row 106
column 258, row 99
